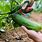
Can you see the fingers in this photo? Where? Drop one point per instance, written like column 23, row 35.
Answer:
column 32, row 34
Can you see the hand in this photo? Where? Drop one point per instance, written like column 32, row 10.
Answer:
column 37, row 36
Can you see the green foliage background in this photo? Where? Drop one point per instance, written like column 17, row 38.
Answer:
column 5, row 7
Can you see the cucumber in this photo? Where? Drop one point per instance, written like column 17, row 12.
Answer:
column 21, row 20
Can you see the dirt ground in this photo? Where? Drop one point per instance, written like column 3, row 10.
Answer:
column 19, row 35
column 36, row 17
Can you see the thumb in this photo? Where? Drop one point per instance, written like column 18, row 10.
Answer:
column 32, row 34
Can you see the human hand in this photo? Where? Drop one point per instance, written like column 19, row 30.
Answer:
column 36, row 36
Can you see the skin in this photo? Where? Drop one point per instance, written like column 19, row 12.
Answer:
column 36, row 36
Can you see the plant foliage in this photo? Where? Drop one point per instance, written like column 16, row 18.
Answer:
column 5, row 7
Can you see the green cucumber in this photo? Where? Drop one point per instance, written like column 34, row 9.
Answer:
column 21, row 20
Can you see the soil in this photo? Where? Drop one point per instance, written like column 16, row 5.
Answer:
column 19, row 35
column 36, row 17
